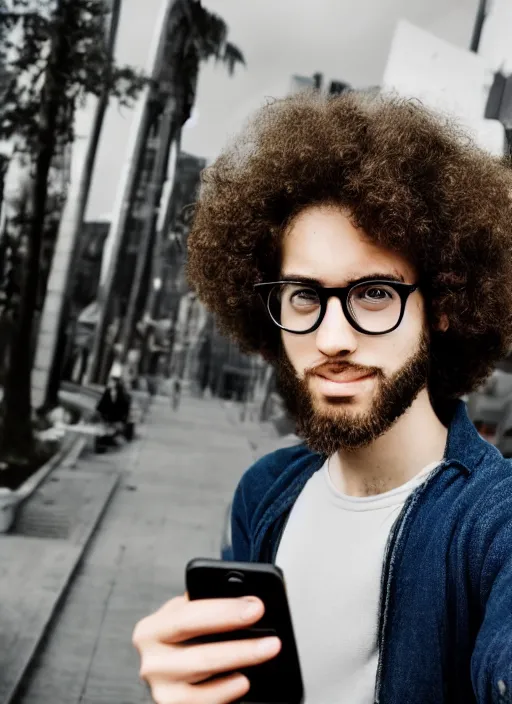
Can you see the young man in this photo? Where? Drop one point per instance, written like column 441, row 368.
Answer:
column 365, row 249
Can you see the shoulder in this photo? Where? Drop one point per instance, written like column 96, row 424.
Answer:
column 492, row 469
column 273, row 463
column 487, row 499
column 285, row 462
column 486, row 528
column 488, row 480
column 270, row 476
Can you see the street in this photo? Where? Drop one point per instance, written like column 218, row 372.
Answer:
column 177, row 480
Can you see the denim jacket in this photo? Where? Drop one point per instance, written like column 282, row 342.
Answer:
column 445, row 624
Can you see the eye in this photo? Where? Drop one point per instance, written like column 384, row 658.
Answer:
column 373, row 296
column 376, row 293
column 303, row 297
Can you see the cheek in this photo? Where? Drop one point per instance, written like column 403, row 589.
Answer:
column 301, row 350
column 399, row 346
column 395, row 352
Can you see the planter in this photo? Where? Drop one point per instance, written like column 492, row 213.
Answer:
column 11, row 500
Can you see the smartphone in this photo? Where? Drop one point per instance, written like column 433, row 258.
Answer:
column 278, row 681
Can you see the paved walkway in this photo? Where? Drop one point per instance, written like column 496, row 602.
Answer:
column 176, row 483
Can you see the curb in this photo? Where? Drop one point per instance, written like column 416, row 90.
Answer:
column 33, row 482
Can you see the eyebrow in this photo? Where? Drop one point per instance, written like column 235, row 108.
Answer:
column 371, row 276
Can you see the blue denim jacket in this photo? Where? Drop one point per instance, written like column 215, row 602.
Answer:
column 445, row 625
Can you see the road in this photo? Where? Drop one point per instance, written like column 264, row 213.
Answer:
column 178, row 479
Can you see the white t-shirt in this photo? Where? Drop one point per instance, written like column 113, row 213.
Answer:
column 332, row 553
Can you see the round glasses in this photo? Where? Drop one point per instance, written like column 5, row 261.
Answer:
column 372, row 306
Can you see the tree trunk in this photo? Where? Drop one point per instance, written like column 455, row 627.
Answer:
column 17, row 442
column 55, row 371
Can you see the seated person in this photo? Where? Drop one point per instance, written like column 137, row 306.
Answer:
column 114, row 407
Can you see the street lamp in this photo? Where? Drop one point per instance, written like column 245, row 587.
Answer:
column 157, row 284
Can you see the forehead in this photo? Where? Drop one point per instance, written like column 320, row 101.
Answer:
column 322, row 243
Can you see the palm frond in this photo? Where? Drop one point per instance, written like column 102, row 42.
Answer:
column 207, row 35
column 232, row 56
column 208, row 30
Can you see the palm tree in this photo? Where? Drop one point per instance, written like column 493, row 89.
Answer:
column 190, row 35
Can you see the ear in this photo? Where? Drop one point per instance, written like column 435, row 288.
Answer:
column 443, row 323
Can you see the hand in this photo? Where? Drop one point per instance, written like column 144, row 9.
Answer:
column 175, row 671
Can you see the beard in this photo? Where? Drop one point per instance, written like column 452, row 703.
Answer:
column 337, row 427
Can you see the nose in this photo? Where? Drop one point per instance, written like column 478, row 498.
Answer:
column 335, row 337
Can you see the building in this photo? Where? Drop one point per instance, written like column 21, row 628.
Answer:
column 446, row 78
column 316, row 82
column 85, row 286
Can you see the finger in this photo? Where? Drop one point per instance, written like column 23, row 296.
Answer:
column 150, row 627
column 220, row 691
column 179, row 620
column 196, row 663
column 202, row 661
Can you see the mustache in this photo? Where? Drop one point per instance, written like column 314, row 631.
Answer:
column 341, row 366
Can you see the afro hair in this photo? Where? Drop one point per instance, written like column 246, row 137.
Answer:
column 412, row 180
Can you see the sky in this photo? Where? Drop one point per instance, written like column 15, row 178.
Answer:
column 348, row 40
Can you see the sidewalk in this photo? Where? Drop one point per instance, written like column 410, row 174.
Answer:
column 176, row 482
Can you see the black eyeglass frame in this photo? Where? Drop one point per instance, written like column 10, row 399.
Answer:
column 264, row 290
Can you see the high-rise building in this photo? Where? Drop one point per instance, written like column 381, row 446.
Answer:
column 300, row 83
column 170, row 254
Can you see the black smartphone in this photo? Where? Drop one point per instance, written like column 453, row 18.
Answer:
column 278, row 681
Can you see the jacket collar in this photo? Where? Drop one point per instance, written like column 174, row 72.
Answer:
column 464, row 445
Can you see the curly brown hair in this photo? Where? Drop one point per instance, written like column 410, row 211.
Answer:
column 411, row 179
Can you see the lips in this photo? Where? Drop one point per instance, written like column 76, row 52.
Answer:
column 345, row 376
column 346, row 384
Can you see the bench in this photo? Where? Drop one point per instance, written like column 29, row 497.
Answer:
column 87, row 429
column 93, row 392
column 139, row 405
column 76, row 402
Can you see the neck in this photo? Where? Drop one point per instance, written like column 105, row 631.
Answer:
column 417, row 439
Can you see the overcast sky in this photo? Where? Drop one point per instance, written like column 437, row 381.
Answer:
column 347, row 40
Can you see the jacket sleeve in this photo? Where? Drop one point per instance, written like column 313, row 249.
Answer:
column 127, row 402
column 103, row 403
column 491, row 665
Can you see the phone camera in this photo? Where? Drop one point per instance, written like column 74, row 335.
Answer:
column 235, row 578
